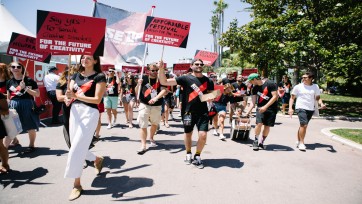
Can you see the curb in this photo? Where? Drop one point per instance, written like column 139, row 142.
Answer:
column 327, row 132
column 327, row 117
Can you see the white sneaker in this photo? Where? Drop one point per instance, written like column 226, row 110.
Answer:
column 215, row 133
column 153, row 144
column 222, row 137
column 302, row 147
column 297, row 144
column 114, row 121
column 109, row 126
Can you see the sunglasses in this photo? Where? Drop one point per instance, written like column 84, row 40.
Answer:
column 213, row 77
column 156, row 70
column 305, row 77
column 16, row 67
column 199, row 64
column 110, row 71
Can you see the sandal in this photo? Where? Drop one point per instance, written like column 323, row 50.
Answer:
column 130, row 125
column 4, row 169
column 75, row 193
column 14, row 143
column 167, row 125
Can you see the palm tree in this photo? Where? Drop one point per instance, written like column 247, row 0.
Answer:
column 214, row 30
column 220, row 7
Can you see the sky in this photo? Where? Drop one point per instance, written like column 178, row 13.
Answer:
column 197, row 12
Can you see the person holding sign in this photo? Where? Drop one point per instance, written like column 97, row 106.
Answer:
column 21, row 91
column 86, row 91
column 151, row 96
column 111, row 100
column 194, row 111
column 239, row 94
column 264, row 93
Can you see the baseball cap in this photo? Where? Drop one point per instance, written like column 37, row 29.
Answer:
column 52, row 68
column 253, row 76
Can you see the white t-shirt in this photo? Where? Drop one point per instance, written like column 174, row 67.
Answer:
column 306, row 96
column 50, row 81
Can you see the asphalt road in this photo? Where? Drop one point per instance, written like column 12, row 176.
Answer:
column 328, row 172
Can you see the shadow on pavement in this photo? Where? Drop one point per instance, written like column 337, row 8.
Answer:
column 217, row 163
column 19, row 178
column 39, row 151
column 117, row 186
column 131, row 169
column 277, row 147
column 174, row 146
column 319, row 145
column 169, row 133
column 114, row 139
column 146, row 197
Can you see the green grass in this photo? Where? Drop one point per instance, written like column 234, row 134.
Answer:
column 352, row 134
column 338, row 105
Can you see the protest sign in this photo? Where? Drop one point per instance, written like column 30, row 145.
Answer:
column 24, row 46
column 123, row 41
column 208, row 58
column 181, row 68
column 221, row 89
column 166, row 32
column 247, row 72
column 63, row 34
column 133, row 69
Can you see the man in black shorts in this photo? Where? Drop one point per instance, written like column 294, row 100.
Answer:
column 193, row 111
column 265, row 94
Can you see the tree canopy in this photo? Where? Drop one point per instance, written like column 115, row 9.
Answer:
column 322, row 36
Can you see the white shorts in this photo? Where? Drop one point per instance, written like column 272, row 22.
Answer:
column 146, row 112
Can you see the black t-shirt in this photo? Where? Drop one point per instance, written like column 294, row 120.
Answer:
column 264, row 94
column 112, row 86
column 224, row 99
column 62, row 87
column 287, row 86
column 87, row 86
column 128, row 89
column 227, row 81
column 2, row 96
column 150, row 88
column 238, row 88
column 192, row 86
column 16, row 92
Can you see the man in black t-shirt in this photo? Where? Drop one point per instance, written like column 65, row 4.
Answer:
column 264, row 93
column 193, row 111
column 229, row 79
column 239, row 94
column 150, row 97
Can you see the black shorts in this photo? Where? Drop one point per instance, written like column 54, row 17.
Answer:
column 304, row 116
column 267, row 118
column 200, row 120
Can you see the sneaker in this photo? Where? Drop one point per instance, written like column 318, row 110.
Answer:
column 188, row 159
column 297, row 144
column 302, row 147
column 198, row 163
column 255, row 145
column 153, row 144
column 109, row 126
column 114, row 121
column 215, row 133
column 222, row 137
column 261, row 145
column 179, row 115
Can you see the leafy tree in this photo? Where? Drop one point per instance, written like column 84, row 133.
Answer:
column 322, row 36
